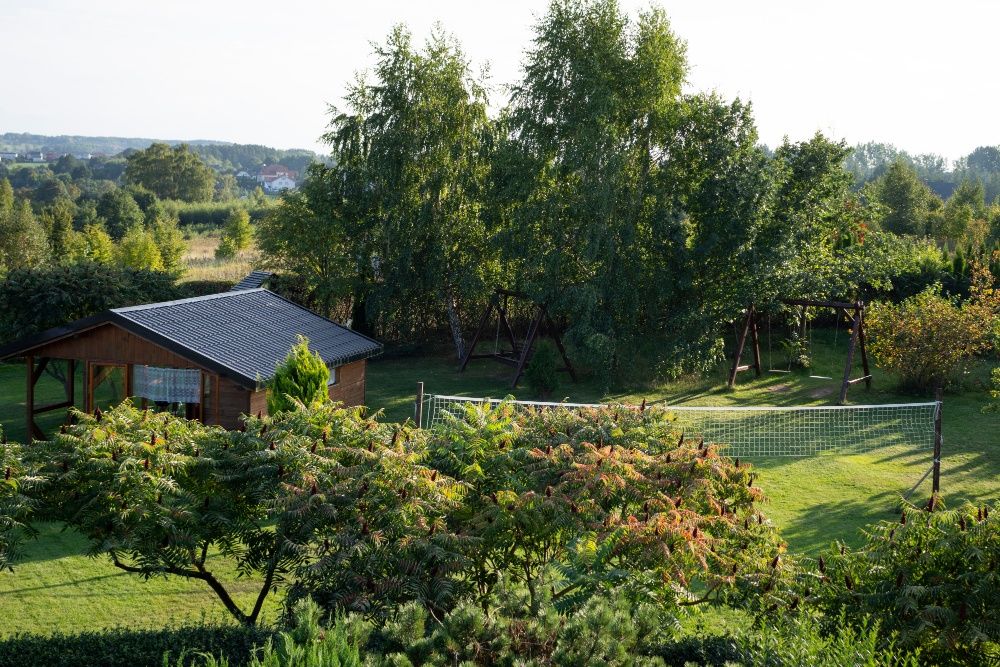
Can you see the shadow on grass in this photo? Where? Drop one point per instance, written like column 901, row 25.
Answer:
column 815, row 528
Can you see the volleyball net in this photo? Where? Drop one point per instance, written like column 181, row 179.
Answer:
column 757, row 431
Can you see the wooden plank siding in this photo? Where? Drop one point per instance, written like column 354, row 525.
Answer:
column 350, row 386
column 227, row 401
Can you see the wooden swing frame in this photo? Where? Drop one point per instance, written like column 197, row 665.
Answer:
column 857, row 342
column 518, row 355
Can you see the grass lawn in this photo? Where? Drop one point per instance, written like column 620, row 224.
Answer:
column 813, row 500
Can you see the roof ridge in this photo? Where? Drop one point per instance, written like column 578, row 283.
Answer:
column 190, row 299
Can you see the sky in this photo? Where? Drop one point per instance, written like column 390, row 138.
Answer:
column 920, row 75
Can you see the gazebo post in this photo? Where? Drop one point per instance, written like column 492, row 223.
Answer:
column 29, row 403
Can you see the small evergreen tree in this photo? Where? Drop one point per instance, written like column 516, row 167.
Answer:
column 303, row 376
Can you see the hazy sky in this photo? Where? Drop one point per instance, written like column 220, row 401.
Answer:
column 921, row 75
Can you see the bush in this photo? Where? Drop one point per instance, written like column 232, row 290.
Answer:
column 210, row 214
column 127, row 647
column 930, row 577
column 542, row 372
column 237, row 235
column 928, row 338
column 303, row 376
column 204, row 287
column 33, row 300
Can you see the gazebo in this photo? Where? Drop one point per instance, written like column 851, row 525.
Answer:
column 207, row 358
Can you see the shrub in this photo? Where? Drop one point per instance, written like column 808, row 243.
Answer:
column 928, row 338
column 237, row 235
column 576, row 504
column 302, row 377
column 16, row 502
column 324, row 497
column 128, row 647
column 542, row 372
column 931, row 577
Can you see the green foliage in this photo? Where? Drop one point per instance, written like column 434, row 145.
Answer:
column 678, row 521
column 24, row 243
column 33, row 300
column 408, row 187
column 337, row 503
column 137, row 249
column 802, row 643
column 16, row 502
column 127, row 647
column 928, row 338
column 170, row 243
column 171, row 173
column 237, row 235
column 93, row 244
column 542, row 373
column 120, row 212
column 908, row 200
column 930, row 577
column 214, row 214
column 302, row 378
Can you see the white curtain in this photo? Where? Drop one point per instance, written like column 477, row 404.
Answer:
column 166, row 385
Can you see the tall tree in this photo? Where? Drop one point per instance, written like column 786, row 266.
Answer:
column 411, row 147
column 171, row 173
column 907, row 199
column 120, row 212
column 23, row 241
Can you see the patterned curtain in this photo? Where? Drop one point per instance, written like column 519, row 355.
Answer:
column 166, row 385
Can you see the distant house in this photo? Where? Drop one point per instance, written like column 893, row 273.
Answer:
column 276, row 177
column 208, row 358
column 8, row 157
column 243, row 174
column 279, row 184
column 35, row 157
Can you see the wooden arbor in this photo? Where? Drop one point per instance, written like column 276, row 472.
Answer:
column 520, row 351
column 853, row 312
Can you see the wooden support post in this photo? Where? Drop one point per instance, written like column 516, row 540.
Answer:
column 862, row 341
column 509, row 330
column 536, row 323
column 418, row 407
column 849, row 364
column 936, row 478
column 479, row 332
column 754, row 340
column 29, row 401
column 739, row 348
column 71, row 381
column 559, row 344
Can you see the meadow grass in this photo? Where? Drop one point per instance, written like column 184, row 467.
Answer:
column 813, row 500
column 200, row 262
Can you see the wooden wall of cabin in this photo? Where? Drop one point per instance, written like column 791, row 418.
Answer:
column 350, row 386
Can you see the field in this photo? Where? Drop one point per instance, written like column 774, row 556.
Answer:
column 200, row 262
column 814, row 500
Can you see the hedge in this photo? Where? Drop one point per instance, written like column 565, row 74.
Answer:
column 127, row 647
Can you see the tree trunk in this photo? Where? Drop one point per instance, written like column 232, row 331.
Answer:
column 456, row 326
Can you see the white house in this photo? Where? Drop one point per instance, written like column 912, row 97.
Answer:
column 279, row 184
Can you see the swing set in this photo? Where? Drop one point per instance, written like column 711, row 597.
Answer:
column 852, row 312
column 520, row 351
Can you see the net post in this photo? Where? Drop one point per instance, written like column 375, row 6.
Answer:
column 418, row 406
column 936, row 480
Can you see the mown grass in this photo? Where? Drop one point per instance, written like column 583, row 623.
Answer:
column 814, row 500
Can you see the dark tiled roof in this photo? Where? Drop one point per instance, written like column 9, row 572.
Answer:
column 253, row 281
column 240, row 334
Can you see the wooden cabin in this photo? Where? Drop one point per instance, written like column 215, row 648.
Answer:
column 207, row 358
